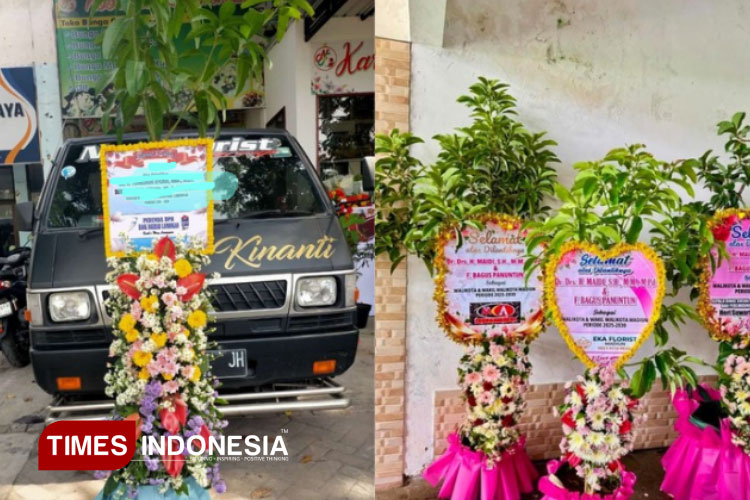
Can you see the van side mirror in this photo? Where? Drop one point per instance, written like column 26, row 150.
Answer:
column 25, row 213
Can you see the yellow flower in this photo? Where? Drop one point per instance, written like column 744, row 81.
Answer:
column 127, row 322
column 183, row 268
column 150, row 303
column 143, row 374
column 159, row 339
column 132, row 335
column 141, row 358
column 152, row 256
column 167, row 376
column 197, row 319
column 196, row 374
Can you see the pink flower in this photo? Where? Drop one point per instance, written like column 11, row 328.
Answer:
column 490, row 373
column 472, row 378
column 486, row 398
column 496, row 350
column 136, row 310
column 568, row 258
column 170, row 387
column 169, row 298
column 187, row 371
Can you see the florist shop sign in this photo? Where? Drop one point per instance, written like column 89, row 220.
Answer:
column 156, row 190
column 82, row 65
column 343, row 67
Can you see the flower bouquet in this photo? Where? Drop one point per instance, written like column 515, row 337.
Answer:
column 597, row 420
column 160, row 372
column 486, row 458
column 734, row 461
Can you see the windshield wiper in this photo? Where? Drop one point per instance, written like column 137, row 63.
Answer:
column 83, row 233
column 268, row 214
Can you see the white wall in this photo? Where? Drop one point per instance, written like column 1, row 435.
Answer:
column 289, row 71
column 28, row 39
column 595, row 75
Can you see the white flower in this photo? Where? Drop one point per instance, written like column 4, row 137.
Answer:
column 591, row 389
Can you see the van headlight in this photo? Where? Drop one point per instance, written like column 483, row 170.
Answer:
column 316, row 291
column 69, row 306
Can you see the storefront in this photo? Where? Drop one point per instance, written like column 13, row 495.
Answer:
column 21, row 173
column 320, row 85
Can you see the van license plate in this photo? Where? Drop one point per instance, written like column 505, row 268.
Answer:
column 6, row 309
column 230, row 363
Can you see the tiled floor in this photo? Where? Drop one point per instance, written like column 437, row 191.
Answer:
column 330, row 452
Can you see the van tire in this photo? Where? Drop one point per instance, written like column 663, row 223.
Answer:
column 17, row 353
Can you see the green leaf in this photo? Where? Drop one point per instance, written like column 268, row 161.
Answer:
column 634, row 231
column 113, row 35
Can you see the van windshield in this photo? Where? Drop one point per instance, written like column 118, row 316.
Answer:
column 269, row 183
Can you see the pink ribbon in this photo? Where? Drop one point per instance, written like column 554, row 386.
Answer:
column 465, row 475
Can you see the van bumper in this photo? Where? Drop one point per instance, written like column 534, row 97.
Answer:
column 270, row 360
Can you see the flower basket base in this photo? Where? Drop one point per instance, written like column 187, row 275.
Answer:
column 555, row 487
column 704, row 463
column 146, row 492
column 465, row 476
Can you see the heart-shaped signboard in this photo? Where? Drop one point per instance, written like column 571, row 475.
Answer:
column 480, row 288
column 724, row 300
column 604, row 302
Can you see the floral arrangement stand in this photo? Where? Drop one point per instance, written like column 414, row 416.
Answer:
column 159, row 372
column 597, row 419
column 148, row 492
column 486, row 458
column 466, row 474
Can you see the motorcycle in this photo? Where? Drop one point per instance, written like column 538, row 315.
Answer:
column 14, row 326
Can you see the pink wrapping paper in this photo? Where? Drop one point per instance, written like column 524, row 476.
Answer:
column 691, row 463
column 465, row 475
column 554, row 492
column 733, row 478
column 704, row 464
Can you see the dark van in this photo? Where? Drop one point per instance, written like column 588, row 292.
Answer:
column 285, row 308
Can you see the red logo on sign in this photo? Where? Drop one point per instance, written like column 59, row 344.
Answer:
column 87, row 445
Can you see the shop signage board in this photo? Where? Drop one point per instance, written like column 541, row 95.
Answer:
column 82, row 66
column 724, row 300
column 480, row 286
column 605, row 303
column 343, row 67
column 152, row 190
column 19, row 135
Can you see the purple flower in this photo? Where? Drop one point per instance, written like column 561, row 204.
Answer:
column 132, row 492
column 220, row 487
column 147, row 427
column 152, row 464
column 101, row 474
column 148, row 406
column 195, row 422
column 155, row 482
column 153, row 389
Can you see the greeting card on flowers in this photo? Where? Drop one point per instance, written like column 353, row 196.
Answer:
column 724, row 300
column 605, row 303
column 480, row 287
column 157, row 189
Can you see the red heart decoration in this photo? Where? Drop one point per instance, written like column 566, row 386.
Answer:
column 165, row 246
column 193, row 283
column 126, row 282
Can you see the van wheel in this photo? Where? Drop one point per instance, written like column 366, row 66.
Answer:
column 16, row 352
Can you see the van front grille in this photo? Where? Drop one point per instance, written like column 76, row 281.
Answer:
column 249, row 296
